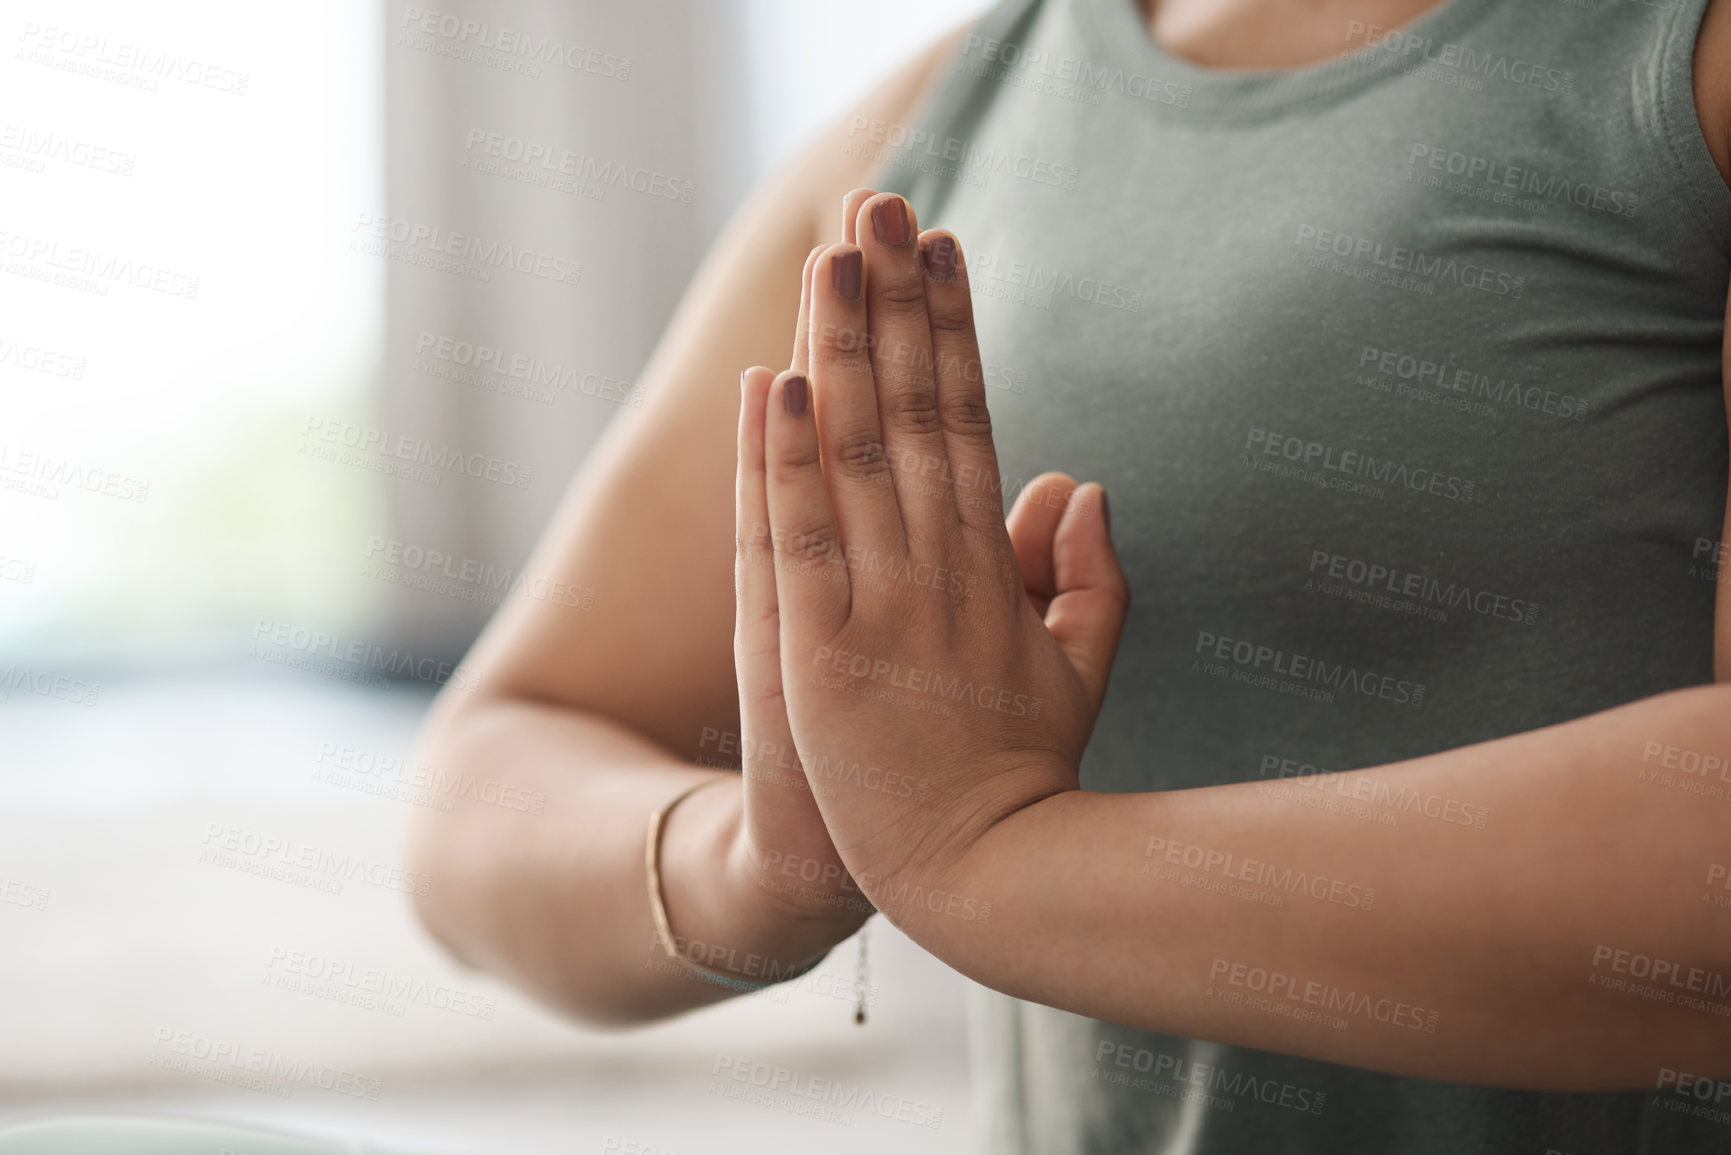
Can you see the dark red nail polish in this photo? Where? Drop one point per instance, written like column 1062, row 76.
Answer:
column 844, row 275
column 793, row 392
column 939, row 257
column 890, row 221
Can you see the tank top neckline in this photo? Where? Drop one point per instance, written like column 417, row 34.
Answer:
column 1195, row 91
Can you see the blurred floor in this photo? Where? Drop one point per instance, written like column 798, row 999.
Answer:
column 148, row 948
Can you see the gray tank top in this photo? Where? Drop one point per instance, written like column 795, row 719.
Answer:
column 1407, row 363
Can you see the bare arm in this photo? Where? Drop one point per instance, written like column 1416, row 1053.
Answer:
column 604, row 712
column 1579, row 940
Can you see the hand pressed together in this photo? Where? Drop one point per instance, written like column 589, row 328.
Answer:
column 941, row 669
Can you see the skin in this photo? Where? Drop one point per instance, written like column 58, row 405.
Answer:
column 1483, row 952
column 605, row 713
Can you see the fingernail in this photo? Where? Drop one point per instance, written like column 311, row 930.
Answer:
column 890, row 221
column 1106, row 513
column 844, row 272
column 939, row 257
column 793, row 392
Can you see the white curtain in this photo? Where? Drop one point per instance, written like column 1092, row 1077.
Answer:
column 594, row 143
column 685, row 104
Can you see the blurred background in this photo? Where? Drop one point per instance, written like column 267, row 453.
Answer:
column 224, row 606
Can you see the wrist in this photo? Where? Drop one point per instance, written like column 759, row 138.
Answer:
column 929, row 859
column 961, row 887
column 721, row 914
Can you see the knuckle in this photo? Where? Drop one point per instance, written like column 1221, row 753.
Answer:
column 968, row 417
column 859, row 453
column 916, row 410
column 834, row 358
column 791, row 462
column 847, row 337
column 902, row 297
column 951, row 315
column 810, row 539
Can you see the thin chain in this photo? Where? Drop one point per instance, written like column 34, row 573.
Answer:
column 861, row 975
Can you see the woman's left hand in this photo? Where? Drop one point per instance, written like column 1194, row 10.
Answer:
column 942, row 670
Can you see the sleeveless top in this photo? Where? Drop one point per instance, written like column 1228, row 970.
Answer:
column 1407, row 362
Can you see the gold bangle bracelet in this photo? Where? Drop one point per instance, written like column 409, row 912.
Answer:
column 658, row 906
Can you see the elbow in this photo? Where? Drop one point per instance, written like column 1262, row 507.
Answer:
column 440, row 872
column 435, row 876
column 484, row 892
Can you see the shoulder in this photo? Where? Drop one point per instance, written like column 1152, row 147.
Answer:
column 1712, row 83
column 829, row 166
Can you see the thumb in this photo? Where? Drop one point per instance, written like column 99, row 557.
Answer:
column 1087, row 613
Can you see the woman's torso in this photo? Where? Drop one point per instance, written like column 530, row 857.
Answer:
column 1402, row 372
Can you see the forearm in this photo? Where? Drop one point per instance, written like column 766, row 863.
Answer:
column 553, row 896
column 1249, row 914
